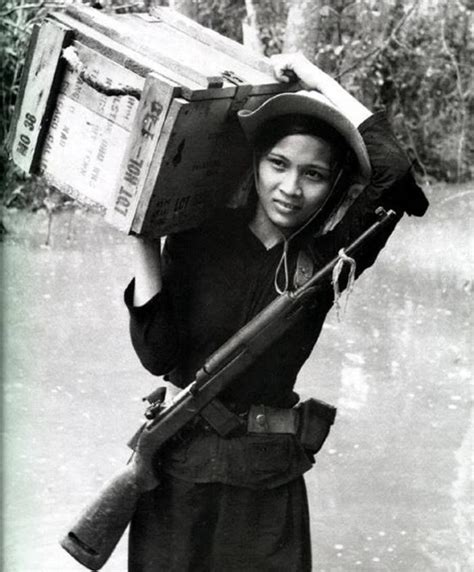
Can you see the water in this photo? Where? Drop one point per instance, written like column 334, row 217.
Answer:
column 390, row 490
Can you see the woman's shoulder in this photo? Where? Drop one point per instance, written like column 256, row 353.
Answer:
column 220, row 231
column 224, row 222
column 226, row 219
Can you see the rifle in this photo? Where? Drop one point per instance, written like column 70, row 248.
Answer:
column 93, row 537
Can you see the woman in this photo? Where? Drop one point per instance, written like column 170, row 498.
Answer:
column 238, row 502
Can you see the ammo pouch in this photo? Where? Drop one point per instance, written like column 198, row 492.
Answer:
column 315, row 420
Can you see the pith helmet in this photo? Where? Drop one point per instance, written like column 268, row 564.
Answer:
column 314, row 104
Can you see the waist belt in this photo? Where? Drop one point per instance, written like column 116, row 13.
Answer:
column 258, row 419
column 264, row 419
column 310, row 421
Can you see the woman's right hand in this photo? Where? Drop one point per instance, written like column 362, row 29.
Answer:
column 147, row 262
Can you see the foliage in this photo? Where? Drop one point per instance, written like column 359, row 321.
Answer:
column 224, row 16
column 272, row 23
column 16, row 23
column 415, row 63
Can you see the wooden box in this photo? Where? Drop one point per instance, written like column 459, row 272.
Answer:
column 137, row 114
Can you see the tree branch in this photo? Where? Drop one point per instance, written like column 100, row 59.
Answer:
column 250, row 28
column 19, row 8
column 410, row 137
column 384, row 45
column 459, row 89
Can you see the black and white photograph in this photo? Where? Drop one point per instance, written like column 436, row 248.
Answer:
column 237, row 267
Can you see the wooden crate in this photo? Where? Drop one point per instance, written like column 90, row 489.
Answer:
column 137, row 114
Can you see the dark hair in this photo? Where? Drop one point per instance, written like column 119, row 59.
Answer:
column 276, row 129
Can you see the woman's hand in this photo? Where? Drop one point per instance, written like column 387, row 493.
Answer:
column 285, row 66
column 147, row 259
column 313, row 78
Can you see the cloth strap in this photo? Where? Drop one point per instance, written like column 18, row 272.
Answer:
column 336, row 273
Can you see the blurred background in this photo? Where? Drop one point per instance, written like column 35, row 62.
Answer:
column 392, row 488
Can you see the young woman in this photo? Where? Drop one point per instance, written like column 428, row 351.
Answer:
column 323, row 163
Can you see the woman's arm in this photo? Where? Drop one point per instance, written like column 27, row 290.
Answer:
column 311, row 77
column 153, row 327
column 148, row 280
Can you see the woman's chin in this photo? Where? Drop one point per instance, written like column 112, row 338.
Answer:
column 286, row 223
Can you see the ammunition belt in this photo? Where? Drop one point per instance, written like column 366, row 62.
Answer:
column 258, row 419
column 310, row 421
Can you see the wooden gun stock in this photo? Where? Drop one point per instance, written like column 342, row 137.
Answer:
column 95, row 534
column 97, row 531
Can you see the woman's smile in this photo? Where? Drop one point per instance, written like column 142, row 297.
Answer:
column 286, row 206
column 294, row 179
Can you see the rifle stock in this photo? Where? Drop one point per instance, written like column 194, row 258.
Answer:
column 97, row 531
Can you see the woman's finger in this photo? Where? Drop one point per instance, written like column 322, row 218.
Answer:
column 281, row 67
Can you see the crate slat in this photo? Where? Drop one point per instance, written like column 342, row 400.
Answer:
column 208, row 37
column 156, row 98
column 39, row 93
column 119, row 53
column 109, row 74
column 119, row 30
column 188, row 52
column 142, row 64
column 89, row 131
column 198, row 169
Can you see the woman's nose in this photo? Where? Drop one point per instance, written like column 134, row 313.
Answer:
column 290, row 184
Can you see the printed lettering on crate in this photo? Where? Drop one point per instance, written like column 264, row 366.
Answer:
column 136, row 114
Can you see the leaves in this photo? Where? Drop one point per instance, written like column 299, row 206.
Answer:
column 390, row 55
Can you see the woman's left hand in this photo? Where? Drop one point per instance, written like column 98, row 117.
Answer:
column 313, row 78
column 296, row 64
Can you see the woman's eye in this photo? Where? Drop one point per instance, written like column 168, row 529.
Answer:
column 314, row 175
column 277, row 163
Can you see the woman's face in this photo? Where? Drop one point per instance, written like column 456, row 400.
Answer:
column 294, row 179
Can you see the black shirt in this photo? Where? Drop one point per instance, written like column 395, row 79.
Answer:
column 219, row 276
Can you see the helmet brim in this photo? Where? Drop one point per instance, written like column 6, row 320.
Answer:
column 313, row 104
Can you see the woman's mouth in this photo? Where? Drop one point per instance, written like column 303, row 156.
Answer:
column 286, row 207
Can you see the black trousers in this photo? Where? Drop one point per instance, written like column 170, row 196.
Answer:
column 211, row 527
